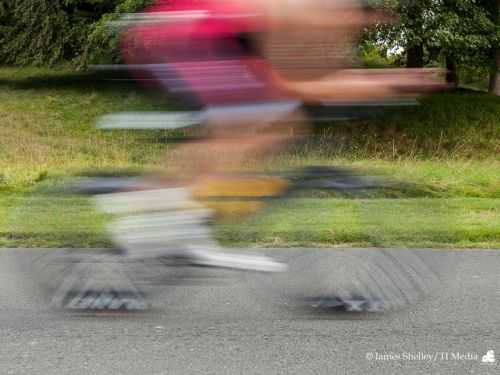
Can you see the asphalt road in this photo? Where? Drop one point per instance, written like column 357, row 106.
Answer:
column 240, row 325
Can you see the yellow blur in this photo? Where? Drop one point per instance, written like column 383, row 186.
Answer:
column 232, row 196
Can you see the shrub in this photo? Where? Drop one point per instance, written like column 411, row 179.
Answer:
column 46, row 32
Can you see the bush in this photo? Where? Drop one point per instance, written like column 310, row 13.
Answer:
column 47, row 32
column 373, row 55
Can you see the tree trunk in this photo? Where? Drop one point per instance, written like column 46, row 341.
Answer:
column 415, row 56
column 495, row 65
column 452, row 73
column 495, row 76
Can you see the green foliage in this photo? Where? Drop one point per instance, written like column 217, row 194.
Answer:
column 33, row 32
column 464, row 30
column 102, row 44
column 46, row 32
column 474, row 76
column 373, row 55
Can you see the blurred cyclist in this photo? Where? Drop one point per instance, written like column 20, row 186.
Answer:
column 213, row 53
column 247, row 66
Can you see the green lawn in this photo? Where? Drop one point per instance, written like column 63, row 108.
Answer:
column 417, row 222
column 441, row 162
column 48, row 221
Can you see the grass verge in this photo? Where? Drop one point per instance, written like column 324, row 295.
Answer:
column 52, row 221
column 442, row 158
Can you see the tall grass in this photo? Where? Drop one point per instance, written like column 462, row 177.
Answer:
column 47, row 128
column 458, row 125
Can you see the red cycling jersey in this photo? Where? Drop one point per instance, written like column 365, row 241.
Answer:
column 206, row 48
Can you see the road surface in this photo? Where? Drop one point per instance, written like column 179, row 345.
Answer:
column 232, row 327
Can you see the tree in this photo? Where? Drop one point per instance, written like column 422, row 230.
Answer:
column 460, row 32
